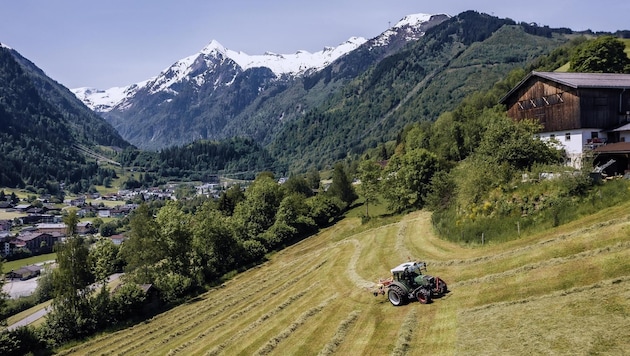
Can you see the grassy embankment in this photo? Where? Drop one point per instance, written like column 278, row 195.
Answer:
column 562, row 291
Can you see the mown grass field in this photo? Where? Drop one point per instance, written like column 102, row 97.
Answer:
column 563, row 292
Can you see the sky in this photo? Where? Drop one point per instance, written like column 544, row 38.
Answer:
column 109, row 43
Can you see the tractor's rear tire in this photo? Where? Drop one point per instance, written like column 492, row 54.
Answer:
column 423, row 296
column 396, row 296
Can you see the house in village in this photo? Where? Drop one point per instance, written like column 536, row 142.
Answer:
column 587, row 113
column 37, row 242
column 82, row 228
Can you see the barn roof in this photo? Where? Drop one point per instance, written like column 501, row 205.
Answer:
column 618, row 147
column 578, row 80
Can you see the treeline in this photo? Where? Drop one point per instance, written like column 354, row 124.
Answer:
column 200, row 160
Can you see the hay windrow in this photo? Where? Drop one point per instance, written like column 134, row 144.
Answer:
column 340, row 334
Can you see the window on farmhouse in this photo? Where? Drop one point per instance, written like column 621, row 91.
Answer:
column 567, row 136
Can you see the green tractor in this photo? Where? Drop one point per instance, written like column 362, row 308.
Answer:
column 408, row 283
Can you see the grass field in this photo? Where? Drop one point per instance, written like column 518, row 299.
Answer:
column 564, row 292
column 8, row 266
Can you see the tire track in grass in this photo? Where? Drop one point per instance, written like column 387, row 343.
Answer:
column 340, row 334
column 273, row 343
column 238, row 314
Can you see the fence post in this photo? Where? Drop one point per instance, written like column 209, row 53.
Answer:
column 482, row 237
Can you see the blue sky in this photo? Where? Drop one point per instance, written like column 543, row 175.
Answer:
column 119, row 42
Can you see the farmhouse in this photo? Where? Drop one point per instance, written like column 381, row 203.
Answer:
column 587, row 113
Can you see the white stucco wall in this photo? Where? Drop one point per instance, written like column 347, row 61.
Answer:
column 573, row 142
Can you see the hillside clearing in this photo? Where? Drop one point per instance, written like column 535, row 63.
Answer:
column 563, row 292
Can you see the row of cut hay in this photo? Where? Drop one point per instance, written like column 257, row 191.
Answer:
column 567, row 274
column 340, row 334
column 286, row 333
column 226, row 315
column 493, row 277
column 589, row 320
column 218, row 300
column 257, row 323
column 238, row 313
column 403, row 343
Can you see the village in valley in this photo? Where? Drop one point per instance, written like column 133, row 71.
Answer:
column 32, row 226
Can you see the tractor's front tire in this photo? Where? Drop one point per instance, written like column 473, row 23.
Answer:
column 423, row 296
column 396, row 296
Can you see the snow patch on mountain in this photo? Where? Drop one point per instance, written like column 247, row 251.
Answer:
column 103, row 100
column 410, row 25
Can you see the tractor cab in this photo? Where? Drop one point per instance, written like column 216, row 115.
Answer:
column 410, row 274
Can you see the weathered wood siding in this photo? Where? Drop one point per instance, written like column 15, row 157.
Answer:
column 556, row 106
column 600, row 107
column 559, row 107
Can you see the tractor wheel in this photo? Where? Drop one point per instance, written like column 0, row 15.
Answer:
column 442, row 288
column 423, row 296
column 396, row 296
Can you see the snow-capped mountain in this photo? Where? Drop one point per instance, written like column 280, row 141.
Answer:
column 187, row 69
column 218, row 92
column 295, row 64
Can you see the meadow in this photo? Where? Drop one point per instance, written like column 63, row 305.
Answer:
column 562, row 291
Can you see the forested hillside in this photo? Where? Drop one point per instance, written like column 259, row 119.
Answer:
column 462, row 55
column 40, row 121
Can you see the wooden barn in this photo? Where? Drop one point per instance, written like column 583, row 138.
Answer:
column 582, row 111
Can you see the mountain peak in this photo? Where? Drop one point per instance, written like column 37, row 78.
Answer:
column 414, row 20
column 214, row 46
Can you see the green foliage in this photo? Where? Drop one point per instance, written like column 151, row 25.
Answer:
column 103, row 258
column 19, row 342
column 127, row 301
column 108, row 229
column 605, row 54
column 145, row 246
column 257, row 212
column 407, row 178
column 341, row 186
column 230, row 198
column 71, row 316
column 369, row 175
column 200, row 160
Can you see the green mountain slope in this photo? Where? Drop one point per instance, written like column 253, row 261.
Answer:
column 40, row 120
column 564, row 291
column 462, row 55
